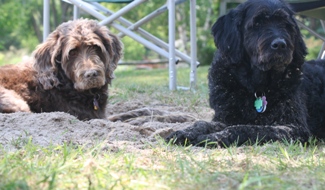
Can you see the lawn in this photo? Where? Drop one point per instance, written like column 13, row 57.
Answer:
column 163, row 166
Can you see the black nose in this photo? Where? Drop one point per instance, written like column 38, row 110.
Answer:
column 91, row 73
column 279, row 44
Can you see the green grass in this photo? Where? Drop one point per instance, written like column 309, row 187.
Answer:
column 272, row 166
column 13, row 56
column 162, row 166
column 151, row 85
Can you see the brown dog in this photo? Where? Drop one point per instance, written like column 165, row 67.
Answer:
column 69, row 72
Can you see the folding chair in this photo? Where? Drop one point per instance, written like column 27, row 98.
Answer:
column 133, row 30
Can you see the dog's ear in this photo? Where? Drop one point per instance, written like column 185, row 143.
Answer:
column 227, row 35
column 45, row 58
column 113, row 47
column 300, row 50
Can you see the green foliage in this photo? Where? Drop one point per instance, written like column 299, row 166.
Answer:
column 22, row 22
column 8, row 22
column 313, row 45
column 16, row 23
column 133, row 50
column 206, row 53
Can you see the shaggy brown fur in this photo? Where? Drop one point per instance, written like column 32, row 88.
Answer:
column 69, row 72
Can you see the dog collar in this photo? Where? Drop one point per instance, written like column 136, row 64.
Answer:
column 260, row 103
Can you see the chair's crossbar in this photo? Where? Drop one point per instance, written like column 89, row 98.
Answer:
column 149, row 17
column 310, row 30
column 121, row 12
column 321, row 54
column 153, row 14
column 141, row 40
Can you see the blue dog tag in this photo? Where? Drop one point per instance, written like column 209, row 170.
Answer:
column 260, row 104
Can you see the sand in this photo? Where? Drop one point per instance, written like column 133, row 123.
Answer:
column 129, row 124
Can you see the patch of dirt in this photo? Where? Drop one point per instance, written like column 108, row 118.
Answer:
column 130, row 124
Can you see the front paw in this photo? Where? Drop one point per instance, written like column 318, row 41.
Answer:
column 196, row 134
column 209, row 140
column 180, row 138
column 185, row 138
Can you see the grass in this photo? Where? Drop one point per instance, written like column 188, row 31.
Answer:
column 13, row 56
column 153, row 84
column 162, row 166
column 272, row 166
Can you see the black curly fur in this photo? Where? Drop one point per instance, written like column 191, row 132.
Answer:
column 252, row 59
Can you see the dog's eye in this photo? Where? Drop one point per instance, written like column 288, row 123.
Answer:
column 97, row 48
column 258, row 23
column 73, row 52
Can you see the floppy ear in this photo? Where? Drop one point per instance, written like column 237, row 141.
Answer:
column 45, row 58
column 300, row 50
column 114, row 47
column 228, row 37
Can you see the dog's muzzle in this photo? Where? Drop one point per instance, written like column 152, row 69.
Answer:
column 277, row 56
column 88, row 79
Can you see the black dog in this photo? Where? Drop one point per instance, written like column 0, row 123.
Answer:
column 260, row 88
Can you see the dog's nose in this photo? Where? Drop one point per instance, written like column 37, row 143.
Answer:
column 91, row 73
column 279, row 44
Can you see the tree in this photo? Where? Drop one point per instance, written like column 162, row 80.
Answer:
column 22, row 21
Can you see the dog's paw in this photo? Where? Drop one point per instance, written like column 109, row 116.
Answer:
column 180, row 138
column 199, row 133
column 185, row 138
column 209, row 140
